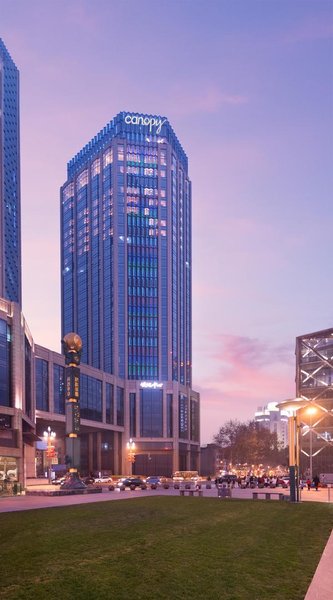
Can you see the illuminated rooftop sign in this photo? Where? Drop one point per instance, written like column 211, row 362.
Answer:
column 148, row 121
column 151, row 384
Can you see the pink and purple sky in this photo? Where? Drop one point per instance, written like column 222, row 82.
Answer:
column 248, row 88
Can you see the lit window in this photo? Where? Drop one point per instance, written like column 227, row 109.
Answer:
column 68, row 191
column 95, row 168
column 107, row 157
column 82, row 179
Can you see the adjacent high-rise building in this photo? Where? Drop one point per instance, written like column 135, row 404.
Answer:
column 275, row 420
column 126, row 278
column 10, row 212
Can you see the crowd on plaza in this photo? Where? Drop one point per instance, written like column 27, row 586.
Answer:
column 249, row 481
column 264, row 481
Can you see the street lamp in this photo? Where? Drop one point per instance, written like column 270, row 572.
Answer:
column 292, row 406
column 131, row 453
column 311, row 411
column 49, row 437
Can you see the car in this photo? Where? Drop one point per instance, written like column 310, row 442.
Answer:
column 58, row 480
column 88, row 480
column 153, row 480
column 103, row 479
column 131, row 482
column 282, row 481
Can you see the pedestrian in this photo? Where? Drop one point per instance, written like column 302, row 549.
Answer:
column 308, row 483
column 316, row 481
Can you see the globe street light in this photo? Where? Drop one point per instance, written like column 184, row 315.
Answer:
column 292, row 406
column 49, row 437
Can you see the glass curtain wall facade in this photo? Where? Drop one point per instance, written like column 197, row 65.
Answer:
column 10, row 212
column 126, row 268
column 126, row 243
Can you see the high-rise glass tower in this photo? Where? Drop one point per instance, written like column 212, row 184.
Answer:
column 126, row 271
column 126, row 251
column 10, row 217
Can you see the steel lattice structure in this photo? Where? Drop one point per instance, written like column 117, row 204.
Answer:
column 314, row 383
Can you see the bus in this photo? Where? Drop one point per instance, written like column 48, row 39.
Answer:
column 185, row 476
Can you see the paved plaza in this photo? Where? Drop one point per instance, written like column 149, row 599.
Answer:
column 15, row 503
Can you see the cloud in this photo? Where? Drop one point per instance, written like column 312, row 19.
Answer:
column 251, row 352
column 239, row 374
column 208, row 99
column 310, row 30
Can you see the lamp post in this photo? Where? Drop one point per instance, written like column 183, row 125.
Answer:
column 311, row 411
column 72, row 347
column 49, row 437
column 292, row 406
column 131, row 453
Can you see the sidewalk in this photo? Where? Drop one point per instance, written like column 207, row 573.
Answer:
column 321, row 587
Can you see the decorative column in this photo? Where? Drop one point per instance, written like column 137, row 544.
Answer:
column 72, row 347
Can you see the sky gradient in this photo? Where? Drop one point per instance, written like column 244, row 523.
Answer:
column 248, row 88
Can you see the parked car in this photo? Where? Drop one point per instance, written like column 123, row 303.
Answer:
column 153, row 480
column 88, row 480
column 58, row 480
column 283, row 481
column 103, row 479
column 131, row 482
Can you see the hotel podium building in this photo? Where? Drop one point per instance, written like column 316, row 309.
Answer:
column 126, row 266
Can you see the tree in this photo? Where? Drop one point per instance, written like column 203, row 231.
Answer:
column 248, row 442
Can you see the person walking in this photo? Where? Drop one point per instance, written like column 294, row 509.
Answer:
column 316, row 481
column 308, row 483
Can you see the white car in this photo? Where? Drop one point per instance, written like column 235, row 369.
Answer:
column 104, row 479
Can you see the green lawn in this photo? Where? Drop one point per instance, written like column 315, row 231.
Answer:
column 163, row 548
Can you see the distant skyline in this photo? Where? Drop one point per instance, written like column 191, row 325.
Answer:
column 248, row 87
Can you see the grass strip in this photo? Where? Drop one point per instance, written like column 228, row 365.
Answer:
column 163, row 548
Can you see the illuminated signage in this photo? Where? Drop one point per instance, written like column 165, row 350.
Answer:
column 73, row 383
column 151, row 384
column 148, row 121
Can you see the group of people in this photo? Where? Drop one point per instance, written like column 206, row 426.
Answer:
column 249, row 481
column 315, row 482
